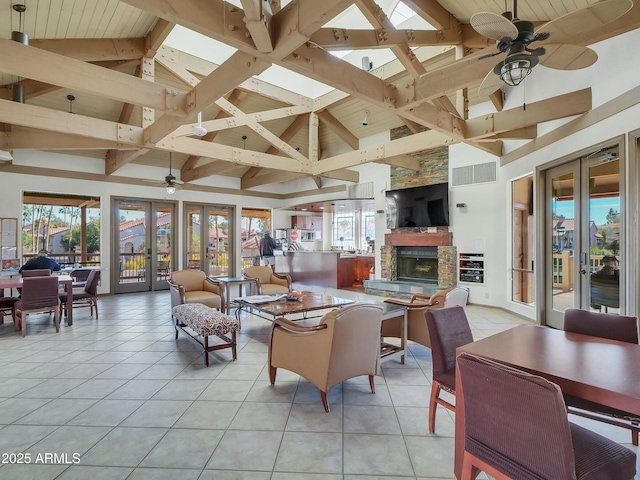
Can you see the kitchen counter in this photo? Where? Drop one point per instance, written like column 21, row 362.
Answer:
column 332, row 269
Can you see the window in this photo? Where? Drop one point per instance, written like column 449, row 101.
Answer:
column 67, row 226
column 254, row 223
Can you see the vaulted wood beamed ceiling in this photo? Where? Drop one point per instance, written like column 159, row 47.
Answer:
column 136, row 98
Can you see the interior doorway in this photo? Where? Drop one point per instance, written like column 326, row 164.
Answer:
column 583, row 222
column 143, row 247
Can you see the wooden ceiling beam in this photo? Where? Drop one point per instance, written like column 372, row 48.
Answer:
column 235, row 98
column 32, row 116
column 402, row 161
column 444, row 103
column 269, row 178
column 43, row 140
column 93, row 49
column 222, row 80
column 525, row 133
column 342, row 174
column 561, row 106
column 269, row 136
column 392, row 148
column 353, row 39
column 156, row 37
column 207, row 170
column 378, row 19
column 257, row 18
column 116, row 159
column 34, row 63
column 239, row 156
column 294, row 127
column 339, row 129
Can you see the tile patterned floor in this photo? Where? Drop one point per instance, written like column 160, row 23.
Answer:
column 121, row 398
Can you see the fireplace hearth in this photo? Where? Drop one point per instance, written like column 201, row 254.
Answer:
column 417, row 264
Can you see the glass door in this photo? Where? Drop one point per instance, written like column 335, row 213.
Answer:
column 208, row 246
column 583, row 236
column 144, row 247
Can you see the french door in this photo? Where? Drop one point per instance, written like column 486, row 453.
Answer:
column 143, row 252
column 582, row 228
column 208, row 238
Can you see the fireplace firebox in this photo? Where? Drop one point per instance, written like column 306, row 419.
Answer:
column 417, row 264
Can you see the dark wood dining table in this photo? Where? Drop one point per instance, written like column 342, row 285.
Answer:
column 593, row 368
column 66, row 280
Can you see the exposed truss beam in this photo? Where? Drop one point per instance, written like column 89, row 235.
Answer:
column 258, row 21
column 94, row 49
column 432, row 12
column 154, row 39
column 339, row 129
column 339, row 39
column 378, row 19
column 42, row 140
column 402, row 161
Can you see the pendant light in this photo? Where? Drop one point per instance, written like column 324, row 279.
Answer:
column 23, row 38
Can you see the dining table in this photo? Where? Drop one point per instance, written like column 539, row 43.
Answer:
column 66, row 280
column 593, row 368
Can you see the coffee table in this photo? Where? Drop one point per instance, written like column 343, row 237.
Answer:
column 279, row 308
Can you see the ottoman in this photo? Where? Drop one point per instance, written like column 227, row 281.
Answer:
column 205, row 321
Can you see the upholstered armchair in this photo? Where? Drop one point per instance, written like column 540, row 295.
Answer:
column 267, row 281
column 193, row 286
column 416, row 326
column 345, row 344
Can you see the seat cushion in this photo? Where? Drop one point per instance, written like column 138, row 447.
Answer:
column 598, row 458
column 273, row 289
column 204, row 320
column 207, row 298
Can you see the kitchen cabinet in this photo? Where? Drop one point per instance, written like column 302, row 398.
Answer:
column 306, row 222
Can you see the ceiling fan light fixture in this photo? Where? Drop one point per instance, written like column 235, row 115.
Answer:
column 514, row 72
column 171, row 189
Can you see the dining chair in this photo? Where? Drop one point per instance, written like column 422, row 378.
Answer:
column 448, row 330
column 39, row 295
column 516, row 427
column 416, row 326
column 7, row 307
column 88, row 297
column 622, row 328
column 344, row 344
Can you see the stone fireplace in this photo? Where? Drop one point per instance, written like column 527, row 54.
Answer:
column 419, row 257
column 417, row 264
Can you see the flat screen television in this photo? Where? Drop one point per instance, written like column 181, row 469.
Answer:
column 426, row 206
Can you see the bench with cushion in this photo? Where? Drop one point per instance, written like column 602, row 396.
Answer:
column 206, row 321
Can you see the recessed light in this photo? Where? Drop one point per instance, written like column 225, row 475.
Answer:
column 321, row 208
column 341, row 206
column 303, row 209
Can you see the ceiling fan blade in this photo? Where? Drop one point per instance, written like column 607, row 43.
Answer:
column 492, row 25
column 564, row 56
column 490, row 84
column 586, row 19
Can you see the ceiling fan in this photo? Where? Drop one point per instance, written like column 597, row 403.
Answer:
column 515, row 35
column 170, row 182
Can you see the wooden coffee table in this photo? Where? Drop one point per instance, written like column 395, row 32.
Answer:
column 279, row 308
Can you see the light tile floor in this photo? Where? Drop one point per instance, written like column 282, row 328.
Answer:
column 121, row 398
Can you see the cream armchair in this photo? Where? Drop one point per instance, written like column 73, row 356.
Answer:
column 193, row 286
column 268, row 282
column 345, row 344
column 416, row 325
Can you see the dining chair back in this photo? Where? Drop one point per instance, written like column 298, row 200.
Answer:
column 623, row 328
column 7, row 307
column 37, row 272
column 39, row 294
column 516, row 426
column 448, row 330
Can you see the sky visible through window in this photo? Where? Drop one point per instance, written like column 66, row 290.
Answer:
column 599, row 208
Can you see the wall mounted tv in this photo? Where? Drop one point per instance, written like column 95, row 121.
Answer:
column 426, row 206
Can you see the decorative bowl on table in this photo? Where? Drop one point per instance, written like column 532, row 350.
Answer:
column 294, row 296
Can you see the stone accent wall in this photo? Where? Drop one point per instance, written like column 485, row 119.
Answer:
column 434, row 168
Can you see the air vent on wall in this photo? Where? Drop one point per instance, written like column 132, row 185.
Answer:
column 471, row 174
column 361, row 190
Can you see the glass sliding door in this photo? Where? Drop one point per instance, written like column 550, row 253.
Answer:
column 583, row 261
column 208, row 246
column 143, row 251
